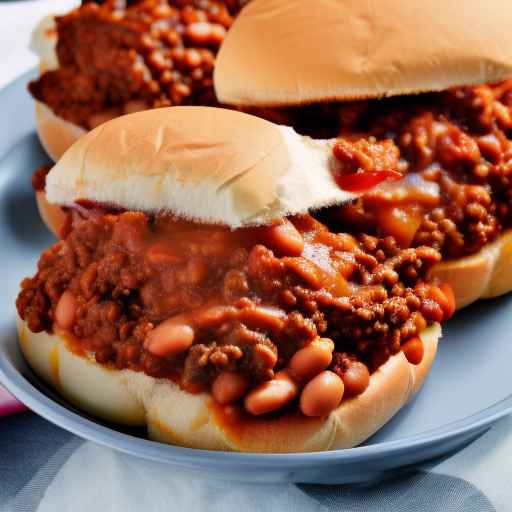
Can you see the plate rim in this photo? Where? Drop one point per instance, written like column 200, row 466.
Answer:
column 15, row 382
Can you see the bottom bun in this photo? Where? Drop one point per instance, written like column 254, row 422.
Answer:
column 194, row 420
column 53, row 215
column 56, row 134
column 483, row 275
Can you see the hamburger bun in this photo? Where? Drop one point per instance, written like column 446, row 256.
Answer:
column 484, row 275
column 55, row 134
column 174, row 416
column 215, row 166
column 207, row 164
column 359, row 52
column 291, row 52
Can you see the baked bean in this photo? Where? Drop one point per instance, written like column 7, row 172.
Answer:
column 217, row 33
column 209, row 317
column 172, row 37
column 272, row 394
column 65, row 312
column 87, row 281
column 322, row 394
column 312, row 359
column 284, row 239
column 199, row 33
column 197, row 74
column 207, row 59
column 356, row 379
column 419, row 321
column 223, row 16
column 180, row 91
column 192, row 58
column 449, row 308
column 229, row 387
column 190, row 15
column 177, row 54
column 169, row 338
column 413, row 350
column 265, row 356
column 263, row 317
column 444, row 296
column 162, row 11
column 285, row 375
column 432, row 310
column 158, row 60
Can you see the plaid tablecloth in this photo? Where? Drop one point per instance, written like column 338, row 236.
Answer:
column 44, row 468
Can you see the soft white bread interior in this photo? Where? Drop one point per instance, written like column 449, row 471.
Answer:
column 288, row 52
column 486, row 274
column 177, row 417
column 208, row 164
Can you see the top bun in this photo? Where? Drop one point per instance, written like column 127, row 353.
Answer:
column 290, row 52
column 206, row 164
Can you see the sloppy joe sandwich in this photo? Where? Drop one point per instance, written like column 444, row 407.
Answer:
column 420, row 98
column 192, row 290
column 104, row 59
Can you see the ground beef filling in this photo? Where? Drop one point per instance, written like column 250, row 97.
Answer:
column 119, row 57
column 241, row 301
column 454, row 148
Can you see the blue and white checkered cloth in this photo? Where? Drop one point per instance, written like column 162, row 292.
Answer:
column 46, row 469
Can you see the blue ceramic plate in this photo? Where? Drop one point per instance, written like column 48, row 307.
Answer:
column 468, row 389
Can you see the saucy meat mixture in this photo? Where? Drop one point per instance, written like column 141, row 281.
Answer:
column 237, row 312
column 122, row 56
column 445, row 160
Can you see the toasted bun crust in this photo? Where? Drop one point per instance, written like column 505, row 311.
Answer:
column 55, row 134
column 486, row 274
column 208, row 164
column 177, row 417
column 288, row 52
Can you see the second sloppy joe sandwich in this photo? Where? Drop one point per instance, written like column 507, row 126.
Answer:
column 193, row 292
column 419, row 95
column 106, row 58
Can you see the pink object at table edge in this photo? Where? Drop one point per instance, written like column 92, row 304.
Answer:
column 8, row 404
